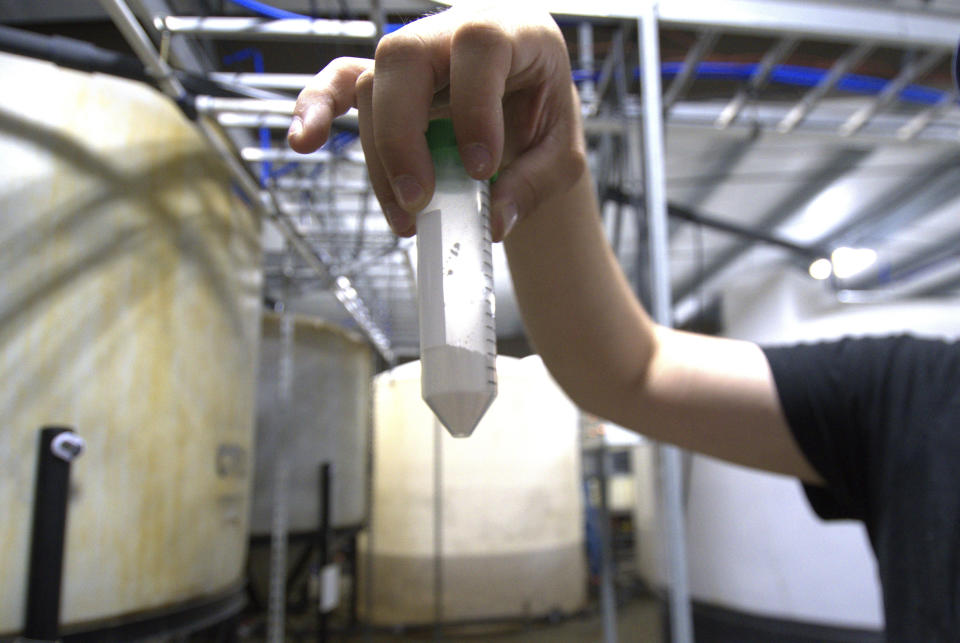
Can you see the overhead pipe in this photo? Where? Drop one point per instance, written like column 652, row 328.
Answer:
column 680, row 213
column 758, row 79
column 914, row 69
column 303, row 28
column 344, row 291
column 839, row 70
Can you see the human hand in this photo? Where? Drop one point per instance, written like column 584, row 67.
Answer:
column 501, row 73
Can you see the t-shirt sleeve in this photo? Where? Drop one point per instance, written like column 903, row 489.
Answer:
column 845, row 402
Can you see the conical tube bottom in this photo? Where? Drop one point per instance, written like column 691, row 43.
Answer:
column 457, row 385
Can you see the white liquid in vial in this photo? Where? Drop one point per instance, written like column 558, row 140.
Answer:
column 455, row 292
column 457, row 387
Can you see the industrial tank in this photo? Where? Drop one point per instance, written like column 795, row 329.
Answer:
column 502, row 508
column 130, row 311
column 326, row 420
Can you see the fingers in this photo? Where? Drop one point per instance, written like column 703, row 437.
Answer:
column 410, row 65
column 400, row 221
column 480, row 61
column 540, row 172
column 328, row 95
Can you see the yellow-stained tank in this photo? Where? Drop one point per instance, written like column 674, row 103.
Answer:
column 130, row 311
column 512, row 529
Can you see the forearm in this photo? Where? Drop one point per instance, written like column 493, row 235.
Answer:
column 578, row 308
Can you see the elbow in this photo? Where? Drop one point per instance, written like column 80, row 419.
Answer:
column 611, row 386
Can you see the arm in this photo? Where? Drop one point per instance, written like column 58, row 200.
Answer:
column 513, row 106
column 711, row 395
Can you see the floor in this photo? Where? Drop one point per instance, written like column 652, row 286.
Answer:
column 638, row 621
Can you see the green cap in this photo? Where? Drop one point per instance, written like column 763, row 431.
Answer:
column 443, row 143
column 440, row 134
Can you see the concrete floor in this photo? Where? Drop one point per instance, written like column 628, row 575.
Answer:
column 638, row 621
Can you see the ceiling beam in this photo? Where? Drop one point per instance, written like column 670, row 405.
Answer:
column 843, row 162
column 897, row 26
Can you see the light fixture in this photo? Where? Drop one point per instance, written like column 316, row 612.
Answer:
column 821, row 269
column 848, row 262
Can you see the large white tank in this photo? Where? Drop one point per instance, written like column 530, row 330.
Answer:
column 512, row 525
column 327, row 420
column 129, row 310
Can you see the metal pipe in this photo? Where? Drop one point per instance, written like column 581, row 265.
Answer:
column 134, row 34
column 771, row 59
column 840, row 69
column 681, row 82
column 266, row 29
column 293, row 82
column 214, row 105
column 608, row 596
column 654, row 180
column 438, row 435
column 753, row 234
column 896, row 25
column 588, row 88
column 261, row 155
column 143, row 47
column 912, row 70
column 924, row 119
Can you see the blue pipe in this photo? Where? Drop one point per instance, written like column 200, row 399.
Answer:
column 252, row 53
column 797, row 76
column 266, row 10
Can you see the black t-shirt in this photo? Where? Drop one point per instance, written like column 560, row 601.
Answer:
column 879, row 419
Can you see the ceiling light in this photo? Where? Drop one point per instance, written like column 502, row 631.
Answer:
column 821, row 269
column 848, row 262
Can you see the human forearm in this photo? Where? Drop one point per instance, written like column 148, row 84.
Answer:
column 577, row 306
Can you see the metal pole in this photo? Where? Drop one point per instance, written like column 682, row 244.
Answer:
column 438, row 432
column 681, row 625
column 608, row 596
column 276, row 603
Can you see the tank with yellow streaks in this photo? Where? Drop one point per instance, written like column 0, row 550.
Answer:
column 130, row 311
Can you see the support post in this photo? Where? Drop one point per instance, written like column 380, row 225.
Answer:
column 654, row 183
column 323, row 545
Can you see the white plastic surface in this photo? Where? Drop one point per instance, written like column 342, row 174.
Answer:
column 456, row 300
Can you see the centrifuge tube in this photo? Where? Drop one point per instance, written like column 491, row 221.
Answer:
column 458, row 345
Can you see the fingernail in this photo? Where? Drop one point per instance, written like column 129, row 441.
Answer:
column 509, row 215
column 296, row 127
column 407, row 190
column 397, row 218
column 477, row 159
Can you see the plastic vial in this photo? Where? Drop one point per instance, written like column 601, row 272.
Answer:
column 458, row 345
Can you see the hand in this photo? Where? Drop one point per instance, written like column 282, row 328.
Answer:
column 501, row 74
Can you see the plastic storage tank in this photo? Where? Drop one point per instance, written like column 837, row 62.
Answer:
column 130, row 311
column 511, row 512
column 328, row 420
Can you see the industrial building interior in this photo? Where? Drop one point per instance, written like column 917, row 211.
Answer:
column 227, row 331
